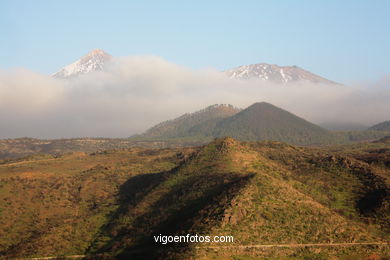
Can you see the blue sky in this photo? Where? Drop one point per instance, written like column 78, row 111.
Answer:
column 344, row 41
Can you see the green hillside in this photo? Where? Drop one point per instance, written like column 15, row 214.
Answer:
column 263, row 121
column 112, row 203
column 199, row 124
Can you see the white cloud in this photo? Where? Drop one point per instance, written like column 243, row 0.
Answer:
column 134, row 93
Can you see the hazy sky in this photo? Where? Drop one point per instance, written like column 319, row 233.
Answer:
column 344, row 41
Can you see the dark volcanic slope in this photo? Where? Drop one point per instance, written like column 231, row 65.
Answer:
column 200, row 123
column 263, row 121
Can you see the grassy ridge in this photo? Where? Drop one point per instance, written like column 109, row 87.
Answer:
column 113, row 202
column 57, row 206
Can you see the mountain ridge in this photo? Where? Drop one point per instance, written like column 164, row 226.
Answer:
column 275, row 73
column 95, row 60
column 260, row 121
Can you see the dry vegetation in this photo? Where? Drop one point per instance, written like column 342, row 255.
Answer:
column 111, row 203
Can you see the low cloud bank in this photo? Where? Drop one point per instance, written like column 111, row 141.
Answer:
column 134, row 93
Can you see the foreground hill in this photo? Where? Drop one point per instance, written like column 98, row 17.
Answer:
column 112, row 203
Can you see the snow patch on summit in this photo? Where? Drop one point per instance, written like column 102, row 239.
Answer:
column 93, row 61
column 275, row 73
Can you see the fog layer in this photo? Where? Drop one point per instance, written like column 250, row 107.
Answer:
column 135, row 93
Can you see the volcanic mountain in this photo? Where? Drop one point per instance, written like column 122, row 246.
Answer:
column 260, row 121
column 264, row 121
column 96, row 59
column 93, row 61
column 275, row 73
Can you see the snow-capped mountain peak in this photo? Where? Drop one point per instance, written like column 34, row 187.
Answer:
column 275, row 73
column 93, row 61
